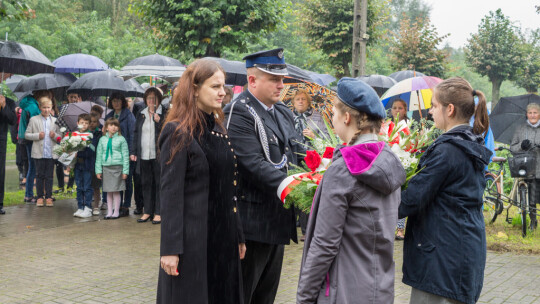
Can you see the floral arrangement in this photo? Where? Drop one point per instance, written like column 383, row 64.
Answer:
column 298, row 189
column 70, row 144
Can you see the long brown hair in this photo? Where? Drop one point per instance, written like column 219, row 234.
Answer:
column 184, row 110
column 459, row 92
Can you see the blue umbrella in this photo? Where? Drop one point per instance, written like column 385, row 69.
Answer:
column 79, row 63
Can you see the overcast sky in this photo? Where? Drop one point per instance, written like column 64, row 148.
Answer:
column 461, row 18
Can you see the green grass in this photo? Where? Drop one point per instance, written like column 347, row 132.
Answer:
column 10, row 150
column 504, row 237
column 17, row 197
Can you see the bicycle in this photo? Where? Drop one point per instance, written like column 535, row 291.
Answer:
column 522, row 168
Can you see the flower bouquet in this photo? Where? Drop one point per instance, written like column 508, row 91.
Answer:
column 70, row 144
column 298, row 189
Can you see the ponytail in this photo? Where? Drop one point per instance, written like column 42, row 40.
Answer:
column 481, row 119
column 459, row 92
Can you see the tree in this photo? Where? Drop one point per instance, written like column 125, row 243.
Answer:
column 64, row 27
column 495, row 51
column 329, row 26
column 407, row 9
column 207, row 28
column 528, row 75
column 415, row 47
column 15, row 10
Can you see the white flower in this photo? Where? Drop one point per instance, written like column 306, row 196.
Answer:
column 80, row 126
column 62, row 129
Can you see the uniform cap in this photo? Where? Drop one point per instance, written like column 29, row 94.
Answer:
column 271, row 61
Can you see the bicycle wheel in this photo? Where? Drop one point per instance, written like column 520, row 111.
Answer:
column 523, row 206
column 492, row 205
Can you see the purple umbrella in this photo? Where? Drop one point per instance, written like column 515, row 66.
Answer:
column 79, row 63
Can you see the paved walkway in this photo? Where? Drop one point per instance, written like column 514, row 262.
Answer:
column 48, row 256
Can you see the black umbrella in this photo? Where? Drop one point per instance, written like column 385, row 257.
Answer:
column 18, row 58
column 102, row 83
column 235, row 70
column 509, row 114
column 406, row 74
column 296, row 73
column 156, row 65
column 380, row 83
column 133, row 88
column 12, row 83
column 45, row 81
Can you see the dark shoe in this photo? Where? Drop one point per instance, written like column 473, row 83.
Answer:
column 2, row 211
column 114, row 217
column 303, row 238
column 124, row 212
column 156, row 222
column 138, row 211
column 141, row 220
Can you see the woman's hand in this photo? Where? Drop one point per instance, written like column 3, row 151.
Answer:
column 124, row 176
column 41, row 135
column 169, row 263
column 308, row 133
column 242, row 248
column 51, row 134
column 156, row 117
column 133, row 157
column 98, row 176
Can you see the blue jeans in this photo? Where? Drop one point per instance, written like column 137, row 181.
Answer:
column 85, row 192
column 31, row 172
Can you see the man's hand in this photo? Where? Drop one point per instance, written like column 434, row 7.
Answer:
column 242, row 248
column 41, row 135
column 169, row 263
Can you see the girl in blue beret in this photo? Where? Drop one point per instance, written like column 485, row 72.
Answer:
column 348, row 251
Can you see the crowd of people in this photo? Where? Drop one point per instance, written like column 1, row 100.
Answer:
column 208, row 172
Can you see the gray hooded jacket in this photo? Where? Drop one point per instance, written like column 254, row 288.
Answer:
column 348, row 251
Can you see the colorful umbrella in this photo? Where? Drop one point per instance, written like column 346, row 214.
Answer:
column 321, row 96
column 416, row 92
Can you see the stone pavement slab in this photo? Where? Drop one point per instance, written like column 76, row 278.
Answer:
column 62, row 259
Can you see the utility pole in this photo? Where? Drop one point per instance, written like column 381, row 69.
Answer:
column 359, row 38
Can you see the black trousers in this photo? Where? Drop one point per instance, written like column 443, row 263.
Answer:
column 534, row 198
column 21, row 159
column 137, row 189
column 44, row 176
column 150, row 185
column 59, row 173
column 3, row 147
column 261, row 269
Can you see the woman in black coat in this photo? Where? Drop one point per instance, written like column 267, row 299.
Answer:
column 201, row 237
column 144, row 152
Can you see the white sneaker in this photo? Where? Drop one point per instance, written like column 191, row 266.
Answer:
column 96, row 211
column 78, row 213
column 87, row 212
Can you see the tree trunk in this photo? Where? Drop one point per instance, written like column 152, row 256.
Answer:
column 495, row 90
column 345, row 66
column 210, row 52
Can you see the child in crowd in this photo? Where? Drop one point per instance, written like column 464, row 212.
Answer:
column 95, row 128
column 43, row 131
column 112, row 165
column 444, row 254
column 84, row 166
column 349, row 246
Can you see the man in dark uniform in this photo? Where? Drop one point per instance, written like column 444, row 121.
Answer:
column 262, row 133
column 7, row 117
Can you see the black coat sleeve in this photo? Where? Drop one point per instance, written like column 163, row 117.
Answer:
column 249, row 151
column 7, row 114
column 133, row 149
column 172, row 185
